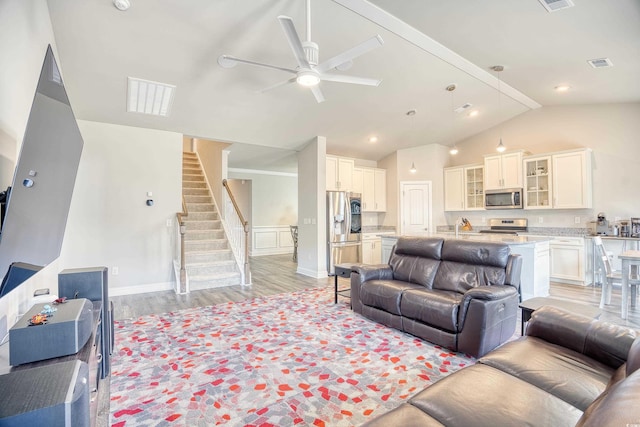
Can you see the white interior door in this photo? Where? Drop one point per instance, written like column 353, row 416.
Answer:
column 415, row 207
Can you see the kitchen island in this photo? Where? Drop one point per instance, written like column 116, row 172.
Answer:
column 533, row 249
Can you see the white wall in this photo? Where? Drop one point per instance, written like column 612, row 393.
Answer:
column 612, row 131
column 25, row 32
column 312, row 205
column 109, row 222
column 274, row 197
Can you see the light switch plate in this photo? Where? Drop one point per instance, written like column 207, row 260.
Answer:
column 576, row 219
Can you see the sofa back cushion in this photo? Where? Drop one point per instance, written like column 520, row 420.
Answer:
column 467, row 265
column 633, row 359
column 416, row 260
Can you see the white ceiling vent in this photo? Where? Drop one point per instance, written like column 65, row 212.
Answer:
column 555, row 5
column 149, row 97
column 463, row 107
column 600, row 63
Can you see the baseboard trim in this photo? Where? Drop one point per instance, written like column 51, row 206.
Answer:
column 312, row 273
column 142, row 289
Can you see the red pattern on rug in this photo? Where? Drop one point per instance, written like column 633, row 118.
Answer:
column 289, row 359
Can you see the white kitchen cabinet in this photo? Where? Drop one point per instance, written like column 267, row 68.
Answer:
column 380, row 190
column 503, row 171
column 535, row 274
column 454, row 189
column 464, row 188
column 572, row 180
column 387, row 247
column 567, row 260
column 357, row 181
column 371, row 250
column 339, row 173
column 538, row 183
column 474, row 188
column 374, row 190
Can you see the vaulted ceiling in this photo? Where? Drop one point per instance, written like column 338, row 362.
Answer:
column 428, row 45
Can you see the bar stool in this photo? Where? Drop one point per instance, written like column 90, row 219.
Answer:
column 611, row 276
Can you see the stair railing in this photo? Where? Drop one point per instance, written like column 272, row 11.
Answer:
column 238, row 230
column 183, row 284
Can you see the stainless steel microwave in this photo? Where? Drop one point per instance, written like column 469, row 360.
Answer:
column 505, row 198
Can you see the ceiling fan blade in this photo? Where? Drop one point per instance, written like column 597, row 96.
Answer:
column 350, row 54
column 317, row 93
column 277, row 85
column 339, row 78
column 228, row 61
column 294, row 41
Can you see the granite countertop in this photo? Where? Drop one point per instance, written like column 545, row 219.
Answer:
column 477, row 237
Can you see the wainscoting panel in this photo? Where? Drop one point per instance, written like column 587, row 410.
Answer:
column 271, row 240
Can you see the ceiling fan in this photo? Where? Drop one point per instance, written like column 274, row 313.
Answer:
column 308, row 72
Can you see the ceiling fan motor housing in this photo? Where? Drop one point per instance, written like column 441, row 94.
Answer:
column 311, row 52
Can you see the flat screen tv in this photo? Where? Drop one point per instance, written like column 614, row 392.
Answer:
column 38, row 205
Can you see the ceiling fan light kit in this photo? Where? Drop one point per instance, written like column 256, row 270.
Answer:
column 309, row 72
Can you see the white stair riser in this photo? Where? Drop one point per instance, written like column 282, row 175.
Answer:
column 212, row 270
column 214, row 282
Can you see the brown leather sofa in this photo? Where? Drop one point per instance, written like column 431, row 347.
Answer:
column 460, row 294
column 568, row 370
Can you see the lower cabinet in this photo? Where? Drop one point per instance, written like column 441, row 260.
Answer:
column 569, row 259
column 371, row 250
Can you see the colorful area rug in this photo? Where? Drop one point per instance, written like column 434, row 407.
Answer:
column 290, row 359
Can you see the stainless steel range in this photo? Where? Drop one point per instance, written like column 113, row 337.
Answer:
column 506, row 226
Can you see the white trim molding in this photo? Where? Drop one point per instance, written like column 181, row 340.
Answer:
column 271, row 240
column 141, row 289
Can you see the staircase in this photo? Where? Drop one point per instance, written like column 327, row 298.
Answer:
column 209, row 260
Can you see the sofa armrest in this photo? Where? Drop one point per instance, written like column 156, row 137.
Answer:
column 514, row 271
column 373, row 272
column 483, row 293
column 362, row 273
column 602, row 341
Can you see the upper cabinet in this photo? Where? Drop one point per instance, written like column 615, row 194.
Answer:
column 558, row 180
column 572, row 179
column 474, row 188
column 538, row 188
column 464, row 188
column 454, row 189
column 503, row 171
column 339, row 174
column 374, row 190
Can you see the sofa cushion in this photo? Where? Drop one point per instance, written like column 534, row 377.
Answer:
column 458, row 277
column 616, row 407
column 480, row 395
column 384, row 294
column 476, row 253
column 436, row 308
column 571, row 376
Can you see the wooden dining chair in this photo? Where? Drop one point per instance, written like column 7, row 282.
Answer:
column 612, row 276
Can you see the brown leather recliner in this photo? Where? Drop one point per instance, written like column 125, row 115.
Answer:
column 460, row 294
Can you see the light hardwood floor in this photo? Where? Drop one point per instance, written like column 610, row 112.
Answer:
column 276, row 274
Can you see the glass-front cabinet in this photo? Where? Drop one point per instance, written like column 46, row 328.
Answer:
column 474, row 189
column 538, row 183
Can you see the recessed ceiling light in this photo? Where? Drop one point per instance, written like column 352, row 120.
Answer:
column 149, row 97
column 474, row 113
column 122, row 4
column 463, row 107
column 373, row 139
column 562, row 88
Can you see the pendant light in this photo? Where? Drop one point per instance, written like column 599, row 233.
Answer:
column 499, row 68
column 413, row 168
column 454, row 150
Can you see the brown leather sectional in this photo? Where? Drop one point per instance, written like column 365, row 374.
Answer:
column 460, row 294
column 568, row 370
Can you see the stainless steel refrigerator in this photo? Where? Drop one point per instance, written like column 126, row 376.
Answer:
column 343, row 229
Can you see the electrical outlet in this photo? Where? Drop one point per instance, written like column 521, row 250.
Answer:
column 313, row 221
column 484, row 220
column 576, row 220
column 169, row 223
column 115, row 271
column 540, row 220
